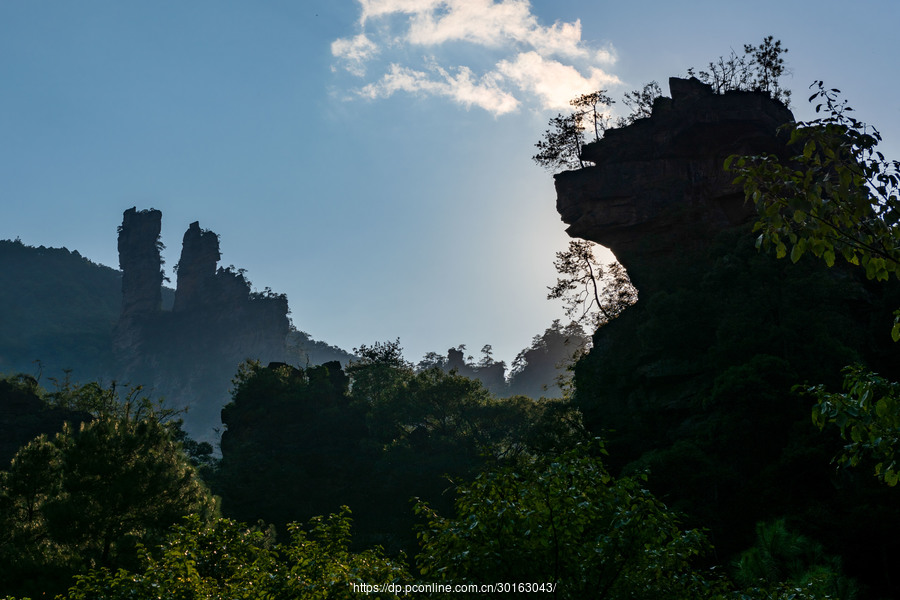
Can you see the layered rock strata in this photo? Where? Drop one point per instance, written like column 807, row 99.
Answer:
column 658, row 186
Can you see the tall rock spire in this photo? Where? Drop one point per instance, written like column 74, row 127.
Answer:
column 197, row 268
column 140, row 261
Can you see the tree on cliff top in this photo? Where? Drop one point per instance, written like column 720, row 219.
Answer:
column 760, row 68
column 586, row 110
column 640, row 102
column 561, row 145
column 560, row 148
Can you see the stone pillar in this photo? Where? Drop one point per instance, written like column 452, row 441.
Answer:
column 140, row 262
column 196, row 269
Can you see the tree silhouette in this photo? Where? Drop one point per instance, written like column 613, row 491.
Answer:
column 593, row 294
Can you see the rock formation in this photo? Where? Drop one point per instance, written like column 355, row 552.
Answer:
column 197, row 268
column 140, row 262
column 694, row 382
column 658, row 186
column 189, row 354
column 142, row 278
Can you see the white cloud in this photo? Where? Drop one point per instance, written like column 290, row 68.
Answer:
column 606, row 55
column 355, row 52
column 462, row 87
column 553, row 82
column 531, row 63
column 372, row 9
column 480, row 22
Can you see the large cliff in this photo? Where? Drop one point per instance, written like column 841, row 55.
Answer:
column 189, row 354
column 694, row 382
column 657, row 186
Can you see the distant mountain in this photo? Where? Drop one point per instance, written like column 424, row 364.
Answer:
column 61, row 312
column 540, row 371
column 57, row 307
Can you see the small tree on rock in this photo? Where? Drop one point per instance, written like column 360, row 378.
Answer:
column 593, row 294
column 760, row 68
column 560, row 148
column 586, row 109
column 640, row 102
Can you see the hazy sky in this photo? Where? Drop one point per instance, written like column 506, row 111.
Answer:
column 370, row 158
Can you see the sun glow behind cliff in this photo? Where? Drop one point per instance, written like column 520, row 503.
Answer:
column 495, row 56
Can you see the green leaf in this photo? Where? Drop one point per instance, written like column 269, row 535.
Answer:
column 809, row 148
column 780, row 249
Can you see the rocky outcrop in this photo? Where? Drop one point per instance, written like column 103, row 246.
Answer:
column 140, row 262
column 189, row 354
column 658, row 186
column 197, row 268
column 490, row 374
column 696, row 382
column 142, row 277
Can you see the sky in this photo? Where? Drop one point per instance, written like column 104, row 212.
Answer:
column 369, row 158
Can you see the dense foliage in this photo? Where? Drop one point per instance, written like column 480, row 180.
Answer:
column 695, row 384
column 226, row 560
column 85, row 497
column 301, row 442
column 566, row 523
column 867, row 413
column 836, row 195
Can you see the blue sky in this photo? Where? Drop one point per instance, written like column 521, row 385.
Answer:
column 370, row 158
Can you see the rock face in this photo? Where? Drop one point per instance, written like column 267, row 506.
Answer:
column 694, row 382
column 140, row 261
column 197, row 268
column 189, row 354
column 658, row 185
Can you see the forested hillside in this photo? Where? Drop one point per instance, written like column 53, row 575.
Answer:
column 55, row 301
